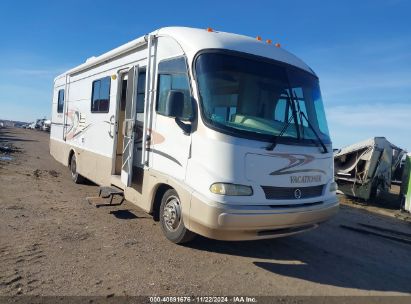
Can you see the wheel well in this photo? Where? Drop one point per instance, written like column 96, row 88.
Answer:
column 70, row 157
column 161, row 189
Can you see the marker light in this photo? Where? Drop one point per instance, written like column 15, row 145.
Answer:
column 258, row 38
column 269, row 41
column 278, row 45
column 209, row 29
column 114, row 77
column 231, row 189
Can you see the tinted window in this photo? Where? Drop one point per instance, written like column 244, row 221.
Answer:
column 173, row 75
column 141, row 90
column 100, row 97
column 254, row 98
column 60, row 101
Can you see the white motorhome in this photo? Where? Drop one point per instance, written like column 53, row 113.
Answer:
column 213, row 133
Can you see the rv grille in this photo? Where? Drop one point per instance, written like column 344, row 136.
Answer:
column 289, row 193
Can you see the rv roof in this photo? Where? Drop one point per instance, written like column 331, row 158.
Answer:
column 194, row 40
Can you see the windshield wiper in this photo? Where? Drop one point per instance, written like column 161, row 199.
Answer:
column 315, row 132
column 274, row 143
column 302, row 114
column 295, row 107
column 293, row 117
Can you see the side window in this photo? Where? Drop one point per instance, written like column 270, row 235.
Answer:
column 60, row 101
column 100, row 96
column 173, row 75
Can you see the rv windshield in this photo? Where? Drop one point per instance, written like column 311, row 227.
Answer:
column 248, row 97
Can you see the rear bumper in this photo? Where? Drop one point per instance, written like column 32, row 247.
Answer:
column 236, row 222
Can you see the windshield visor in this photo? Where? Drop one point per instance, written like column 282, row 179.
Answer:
column 256, row 99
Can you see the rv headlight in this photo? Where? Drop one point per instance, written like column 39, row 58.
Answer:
column 231, row 189
column 333, row 187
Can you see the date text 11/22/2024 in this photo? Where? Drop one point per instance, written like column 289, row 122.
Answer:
column 203, row 299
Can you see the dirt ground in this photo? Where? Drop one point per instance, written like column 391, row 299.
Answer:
column 387, row 204
column 52, row 242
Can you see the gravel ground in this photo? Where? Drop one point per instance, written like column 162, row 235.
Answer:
column 52, row 242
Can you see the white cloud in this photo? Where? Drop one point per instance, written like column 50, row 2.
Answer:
column 386, row 116
column 363, row 70
column 32, row 72
column 49, row 73
column 349, row 124
column 371, row 84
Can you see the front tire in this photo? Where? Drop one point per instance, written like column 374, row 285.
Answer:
column 75, row 176
column 171, row 219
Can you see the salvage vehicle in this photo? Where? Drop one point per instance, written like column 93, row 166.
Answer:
column 365, row 169
column 212, row 133
column 46, row 125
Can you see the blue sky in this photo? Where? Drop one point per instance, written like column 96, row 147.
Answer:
column 361, row 50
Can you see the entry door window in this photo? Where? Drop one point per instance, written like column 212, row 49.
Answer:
column 141, row 91
column 140, row 101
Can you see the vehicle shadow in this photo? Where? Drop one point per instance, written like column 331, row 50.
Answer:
column 124, row 214
column 88, row 182
column 301, row 258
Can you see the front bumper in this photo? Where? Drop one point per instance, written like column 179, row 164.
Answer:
column 238, row 222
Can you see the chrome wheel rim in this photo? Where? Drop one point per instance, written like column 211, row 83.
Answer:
column 172, row 213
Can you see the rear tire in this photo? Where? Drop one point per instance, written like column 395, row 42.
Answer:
column 75, row 176
column 171, row 219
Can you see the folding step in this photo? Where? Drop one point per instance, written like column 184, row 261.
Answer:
column 106, row 193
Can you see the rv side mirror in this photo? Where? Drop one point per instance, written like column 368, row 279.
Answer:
column 174, row 104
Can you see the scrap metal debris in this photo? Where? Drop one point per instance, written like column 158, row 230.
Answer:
column 405, row 191
column 363, row 170
column 6, row 150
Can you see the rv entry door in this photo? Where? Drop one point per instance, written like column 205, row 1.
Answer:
column 129, row 126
